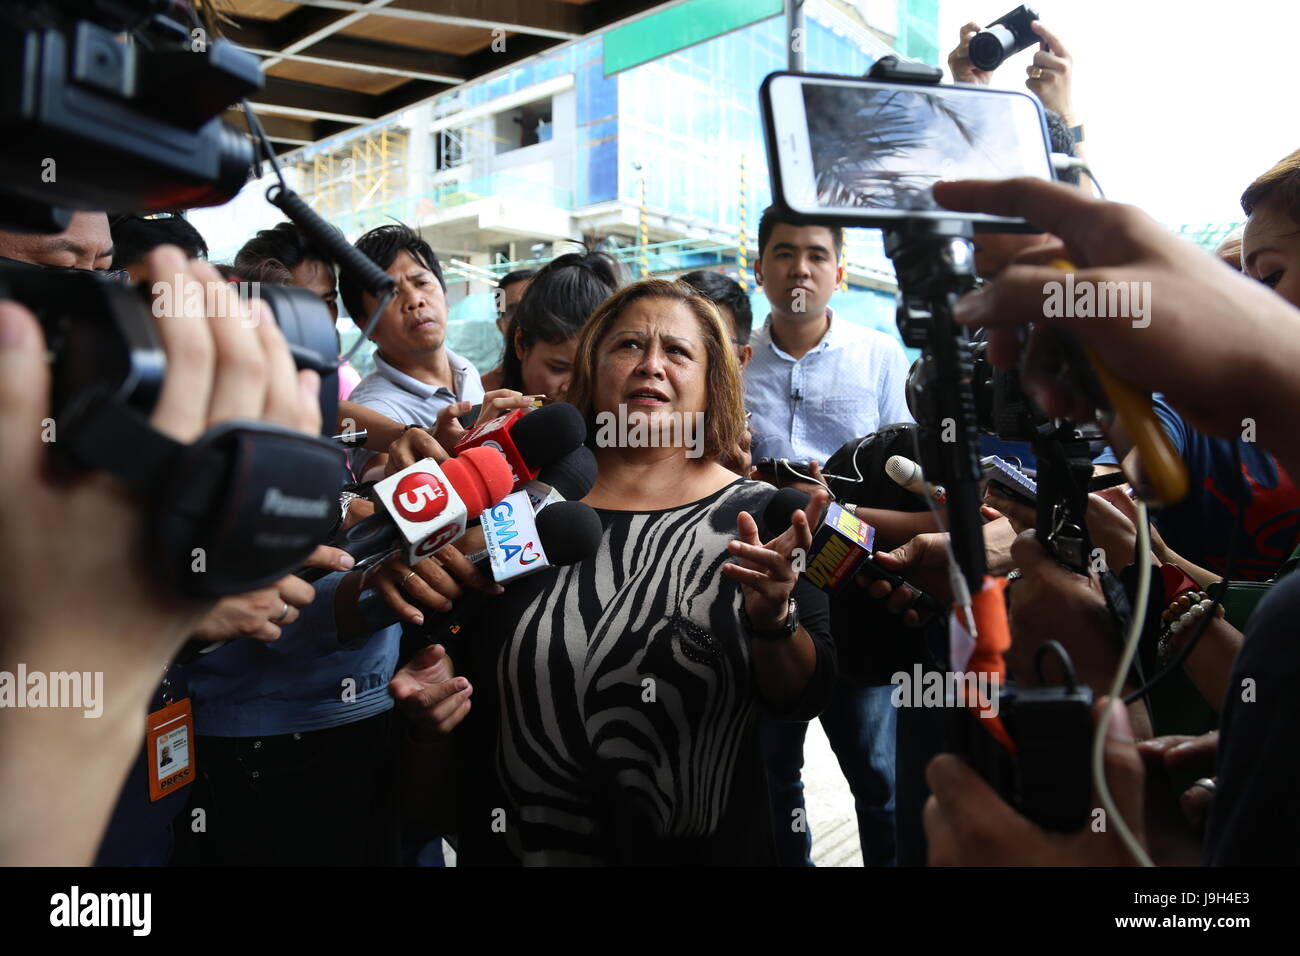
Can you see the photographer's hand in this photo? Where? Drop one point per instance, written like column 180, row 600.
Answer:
column 959, row 63
column 1054, row 81
column 83, row 597
column 1178, row 348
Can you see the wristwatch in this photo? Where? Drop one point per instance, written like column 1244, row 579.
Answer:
column 782, row 633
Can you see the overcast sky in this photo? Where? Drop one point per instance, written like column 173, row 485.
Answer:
column 1184, row 102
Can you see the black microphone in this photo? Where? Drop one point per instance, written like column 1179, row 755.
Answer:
column 569, row 479
column 568, row 532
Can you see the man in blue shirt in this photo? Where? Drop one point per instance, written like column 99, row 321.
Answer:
column 821, row 381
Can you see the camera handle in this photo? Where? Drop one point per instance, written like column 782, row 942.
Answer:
column 934, row 260
column 935, row 264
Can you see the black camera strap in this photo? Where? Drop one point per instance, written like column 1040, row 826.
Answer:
column 235, row 511
column 102, row 432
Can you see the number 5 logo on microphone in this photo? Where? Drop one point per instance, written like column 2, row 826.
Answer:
column 419, row 497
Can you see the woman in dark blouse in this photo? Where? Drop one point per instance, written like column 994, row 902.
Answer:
column 615, row 701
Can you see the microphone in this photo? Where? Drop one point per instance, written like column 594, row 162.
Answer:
column 842, row 545
column 529, row 438
column 432, row 504
column 569, row 479
column 567, row 532
column 520, row 542
column 908, row 474
column 475, row 480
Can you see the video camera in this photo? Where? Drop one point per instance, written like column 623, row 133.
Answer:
column 114, row 105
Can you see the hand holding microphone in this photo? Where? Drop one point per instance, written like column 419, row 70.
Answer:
column 530, row 439
column 518, row 543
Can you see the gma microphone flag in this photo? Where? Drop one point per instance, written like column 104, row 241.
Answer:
column 511, row 535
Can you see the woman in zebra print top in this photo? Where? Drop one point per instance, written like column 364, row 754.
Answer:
column 616, row 700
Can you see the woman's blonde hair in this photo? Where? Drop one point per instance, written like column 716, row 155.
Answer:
column 1279, row 187
column 724, row 419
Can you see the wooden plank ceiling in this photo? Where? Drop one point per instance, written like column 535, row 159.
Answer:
column 331, row 65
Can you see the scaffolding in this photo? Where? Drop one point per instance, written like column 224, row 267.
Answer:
column 360, row 183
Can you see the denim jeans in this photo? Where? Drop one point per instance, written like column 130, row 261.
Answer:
column 860, row 724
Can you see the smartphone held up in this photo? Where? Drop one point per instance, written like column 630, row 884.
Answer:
column 866, row 152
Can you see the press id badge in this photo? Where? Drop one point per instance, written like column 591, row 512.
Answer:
column 169, row 743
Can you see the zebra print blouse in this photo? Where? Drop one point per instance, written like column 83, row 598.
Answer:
column 614, row 716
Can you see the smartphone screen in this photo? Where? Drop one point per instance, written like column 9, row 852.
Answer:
column 869, row 150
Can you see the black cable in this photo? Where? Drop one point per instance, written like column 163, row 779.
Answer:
column 1071, row 676
column 372, row 278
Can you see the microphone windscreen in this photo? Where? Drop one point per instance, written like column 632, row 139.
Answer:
column 780, row 510
column 547, row 434
column 482, row 477
column 573, row 475
column 569, row 531
column 902, row 470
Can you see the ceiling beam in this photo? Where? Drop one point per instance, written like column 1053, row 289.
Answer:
column 430, row 64
column 353, row 65
column 321, row 99
column 279, row 129
column 548, row 18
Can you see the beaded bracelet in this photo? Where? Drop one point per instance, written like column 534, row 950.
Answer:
column 1184, row 611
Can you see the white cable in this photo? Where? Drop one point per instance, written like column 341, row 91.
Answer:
column 1116, row 698
column 798, row 477
column 956, row 580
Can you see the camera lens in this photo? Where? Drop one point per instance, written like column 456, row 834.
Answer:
column 990, row 47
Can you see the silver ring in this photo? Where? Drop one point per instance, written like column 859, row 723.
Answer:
column 283, row 614
column 1206, row 783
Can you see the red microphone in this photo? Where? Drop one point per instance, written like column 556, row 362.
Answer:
column 530, row 439
column 432, row 504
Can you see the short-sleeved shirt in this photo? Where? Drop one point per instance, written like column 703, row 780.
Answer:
column 848, row 385
column 408, row 401
column 615, row 706
column 1199, row 526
